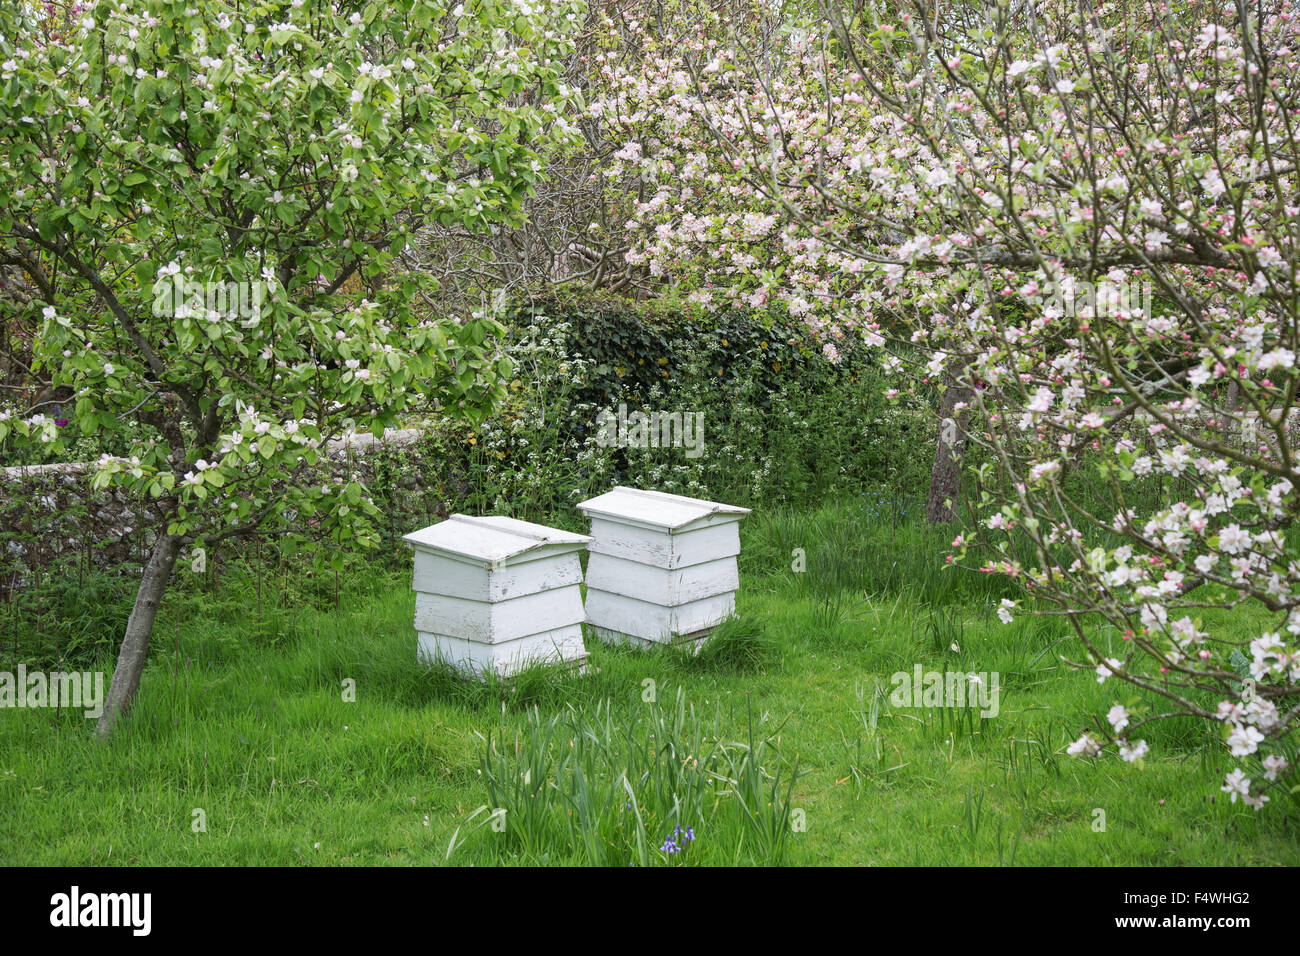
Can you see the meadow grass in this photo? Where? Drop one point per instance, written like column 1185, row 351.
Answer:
column 777, row 744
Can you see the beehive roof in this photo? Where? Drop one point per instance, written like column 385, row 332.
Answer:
column 657, row 508
column 491, row 538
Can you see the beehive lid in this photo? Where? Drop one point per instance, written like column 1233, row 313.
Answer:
column 493, row 539
column 658, row 509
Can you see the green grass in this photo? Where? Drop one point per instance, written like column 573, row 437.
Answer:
column 778, row 743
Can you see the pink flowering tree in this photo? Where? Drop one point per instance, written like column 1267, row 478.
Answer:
column 207, row 200
column 739, row 133
column 1081, row 221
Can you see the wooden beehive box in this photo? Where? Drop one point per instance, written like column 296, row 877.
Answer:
column 496, row 594
column 662, row 567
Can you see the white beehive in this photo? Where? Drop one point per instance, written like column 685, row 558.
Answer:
column 662, row 567
column 497, row 594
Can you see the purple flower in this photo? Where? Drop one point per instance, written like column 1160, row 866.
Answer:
column 676, row 842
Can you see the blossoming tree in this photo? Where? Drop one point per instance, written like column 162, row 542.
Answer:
column 208, row 197
column 1083, row 219
column 722, row 129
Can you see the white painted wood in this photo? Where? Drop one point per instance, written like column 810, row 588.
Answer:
column 439, row 574
column 659, row 510
column 662, row 567
column 493, row 539
column 662, row 549
column 663, row 586
column 494, row 594
column 652, row 622
column 494, row 622
column 694, row 642
column 561, row 646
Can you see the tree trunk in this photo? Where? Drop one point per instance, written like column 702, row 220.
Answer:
column 945, row 474
column 139, row 627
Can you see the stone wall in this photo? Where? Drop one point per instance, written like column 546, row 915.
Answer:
column 50, row 517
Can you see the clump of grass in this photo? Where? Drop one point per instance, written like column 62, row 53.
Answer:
column 64, row 618
column 865, row 752
column 619, row 785
column 536, row 683
column 854, row 547
column 737, row 644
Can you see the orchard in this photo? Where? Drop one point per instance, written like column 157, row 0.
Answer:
column 943, row 346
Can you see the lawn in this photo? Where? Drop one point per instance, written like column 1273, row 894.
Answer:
column 779, row 743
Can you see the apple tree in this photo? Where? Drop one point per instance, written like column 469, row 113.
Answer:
column 208, row 198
